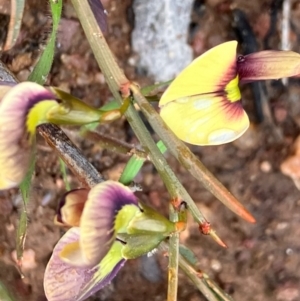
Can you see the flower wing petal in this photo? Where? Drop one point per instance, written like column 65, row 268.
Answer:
column 206, row 119
column 64, row 282
column 98, row 219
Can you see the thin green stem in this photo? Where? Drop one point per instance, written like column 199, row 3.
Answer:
column 117, row 82
column 199, row 282
column 116, row 79
column 173, row 258
column 190, row 271
column 63, row 170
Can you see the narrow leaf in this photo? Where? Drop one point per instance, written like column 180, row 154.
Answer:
column 135, row 164
column 16, row 15
column 63, row 171
column 22, row 226
column 43, row 66
column 4, row 293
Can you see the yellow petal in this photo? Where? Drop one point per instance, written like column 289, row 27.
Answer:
column 71, row 253
column 210, row 72
column 205, row 119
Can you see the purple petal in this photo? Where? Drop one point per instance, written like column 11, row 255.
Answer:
column 64, row 282
column 269, row 64
column 99, row 13
column 15, row 144
column 98, row 218
column 7, row 83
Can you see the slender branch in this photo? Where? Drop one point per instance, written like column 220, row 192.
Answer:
column 173, row 265
column 113, row 144
column 198, row 281
column 190, row 271
column 116, row 80
column 70, row 154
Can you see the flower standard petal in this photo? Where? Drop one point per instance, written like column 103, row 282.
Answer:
column 202, row 106
column 108, row 210
column 16, row 129
column 269, row 64
column 208, row 73
column 65, row 282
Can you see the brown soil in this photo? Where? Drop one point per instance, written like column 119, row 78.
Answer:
column 262, row 262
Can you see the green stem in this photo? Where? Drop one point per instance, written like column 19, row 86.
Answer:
column 199, row 282
column 63, row 170
column 173, row 260
column 116, row 80
column 16, row 14
column 44, row 64
column 190, row 271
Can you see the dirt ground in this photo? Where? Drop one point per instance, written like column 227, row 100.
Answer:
column 262, row 262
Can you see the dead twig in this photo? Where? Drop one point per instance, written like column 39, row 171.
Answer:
column 70, row 154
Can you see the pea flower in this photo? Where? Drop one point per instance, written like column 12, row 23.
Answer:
column 25, row 106
column 113, row 228
column 203, row 105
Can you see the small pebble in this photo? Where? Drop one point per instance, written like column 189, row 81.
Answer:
column 265, row 166
column 216, row 265
column 288, row 293
column 282, row 226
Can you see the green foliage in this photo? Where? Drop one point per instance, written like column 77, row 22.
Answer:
column 63, row 170
column 38, row 75
column 22, row 226
column 4, row 293
column 135, row 164
column 43, row 66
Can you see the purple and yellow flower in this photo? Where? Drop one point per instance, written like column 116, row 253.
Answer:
column 113, row 228
column 16, row 133
column 203, row 105
column 23, row 107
